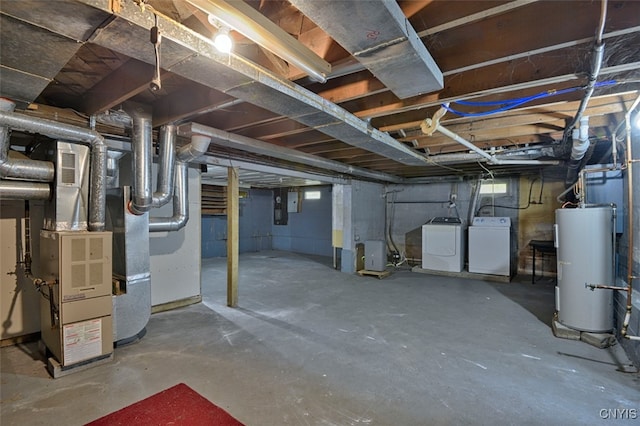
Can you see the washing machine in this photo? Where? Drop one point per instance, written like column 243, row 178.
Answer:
column 490, row 246
column 443, row 245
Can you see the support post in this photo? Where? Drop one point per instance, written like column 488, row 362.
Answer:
column 233, row 218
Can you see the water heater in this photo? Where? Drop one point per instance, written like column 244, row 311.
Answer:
column 584, row 242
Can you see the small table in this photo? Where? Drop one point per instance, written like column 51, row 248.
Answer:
column 544, row 247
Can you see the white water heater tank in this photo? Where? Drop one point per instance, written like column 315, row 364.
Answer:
column 584, row 242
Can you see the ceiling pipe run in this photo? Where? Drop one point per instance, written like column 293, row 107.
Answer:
column 231, row 140
column 431, row 125
column 18, row 168
column 56, row 130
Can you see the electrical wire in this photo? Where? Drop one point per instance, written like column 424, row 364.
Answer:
column 505, row 105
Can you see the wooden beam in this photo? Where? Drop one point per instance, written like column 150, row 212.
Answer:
column 233, row 240
column 507, row 133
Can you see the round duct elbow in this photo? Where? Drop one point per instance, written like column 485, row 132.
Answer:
column 198, row 146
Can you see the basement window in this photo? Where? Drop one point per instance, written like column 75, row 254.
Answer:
column 312, row 195
column 491, row 187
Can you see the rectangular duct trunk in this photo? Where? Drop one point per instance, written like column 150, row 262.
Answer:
column 381, row 38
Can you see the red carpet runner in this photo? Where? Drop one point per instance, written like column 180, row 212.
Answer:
column 179, row 405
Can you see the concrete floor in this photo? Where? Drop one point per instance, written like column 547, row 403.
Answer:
column 311, row 346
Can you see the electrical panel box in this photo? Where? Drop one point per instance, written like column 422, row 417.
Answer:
column 375, row 256
column 293, row 204
column 76, row 312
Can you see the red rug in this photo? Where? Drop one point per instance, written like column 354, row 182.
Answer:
column 179, row 405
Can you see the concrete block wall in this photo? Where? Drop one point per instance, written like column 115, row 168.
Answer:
column 364, row 219
column 408, row 207
column 307, row 231
column 256, row 219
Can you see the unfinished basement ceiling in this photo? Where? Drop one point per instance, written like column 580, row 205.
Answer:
column 89, row 56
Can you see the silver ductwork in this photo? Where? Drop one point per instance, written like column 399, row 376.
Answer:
column 191, row 55
column 16, row 190
column 198, row 147
column 141, row 195
column 131, row 267
column 244, row 143
column 56, row 130
column 380, row 37
column 113, row 169
column 18, row 168
column 180, row 204
column 192, row 151
column 166, row 166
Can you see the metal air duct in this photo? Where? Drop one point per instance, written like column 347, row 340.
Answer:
column 166, row 166
column 180, row 204
column 141, row 195
column 19, row 168
column 223, row 138
column 192, row 56
column 56, row 130
column 381, row 38
column 16, row 190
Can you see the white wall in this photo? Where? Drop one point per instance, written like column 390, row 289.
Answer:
column 175, row 256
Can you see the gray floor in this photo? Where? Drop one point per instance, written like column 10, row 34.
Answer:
column 312, row 346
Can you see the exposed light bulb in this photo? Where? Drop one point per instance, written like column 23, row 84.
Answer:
column 222, row 41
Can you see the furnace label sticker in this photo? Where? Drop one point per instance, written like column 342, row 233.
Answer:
column 82, row 340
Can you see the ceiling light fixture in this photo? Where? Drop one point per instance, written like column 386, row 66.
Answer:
column 241, row 17
column 222, row 41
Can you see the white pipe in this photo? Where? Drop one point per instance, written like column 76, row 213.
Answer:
column 429, row 126
column 457, row 138
column 580, row 140
column 497, row 161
